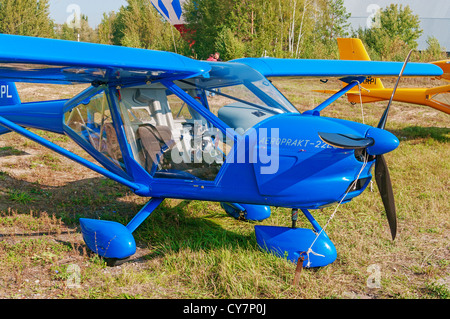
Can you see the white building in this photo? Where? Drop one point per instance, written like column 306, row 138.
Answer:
column 434, row 17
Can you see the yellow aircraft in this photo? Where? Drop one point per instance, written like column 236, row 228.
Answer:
column 373, row 89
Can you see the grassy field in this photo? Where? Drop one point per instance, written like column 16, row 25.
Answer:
column 194, row 250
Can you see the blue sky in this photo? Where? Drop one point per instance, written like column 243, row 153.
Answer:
column 61, row 10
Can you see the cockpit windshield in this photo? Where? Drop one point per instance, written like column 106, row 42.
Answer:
column 239, row 95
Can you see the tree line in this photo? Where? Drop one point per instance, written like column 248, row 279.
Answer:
column 245, row 28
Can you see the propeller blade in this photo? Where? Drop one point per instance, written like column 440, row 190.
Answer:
column 383, row 119
column 347, row 141
column 383, row 180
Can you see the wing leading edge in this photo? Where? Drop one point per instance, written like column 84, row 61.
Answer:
column 29, row 59
column 273, row 67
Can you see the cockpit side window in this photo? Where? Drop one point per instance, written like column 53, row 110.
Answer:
column 169, row 138
column 92, row 121
column 443, row 98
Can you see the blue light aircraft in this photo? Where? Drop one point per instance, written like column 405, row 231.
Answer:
column 167, row 126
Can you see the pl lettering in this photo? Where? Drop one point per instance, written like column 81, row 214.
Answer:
column 4, row 91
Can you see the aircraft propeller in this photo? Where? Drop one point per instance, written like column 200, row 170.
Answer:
column 375, row 143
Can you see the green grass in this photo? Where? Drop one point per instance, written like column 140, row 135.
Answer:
column 192, row 249
column 20, row 197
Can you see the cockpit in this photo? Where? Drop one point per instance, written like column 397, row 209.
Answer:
column 165, row 132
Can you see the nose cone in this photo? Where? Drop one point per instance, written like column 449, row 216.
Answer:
column 385, row 141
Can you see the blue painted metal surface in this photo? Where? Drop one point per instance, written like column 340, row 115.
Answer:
column 4, row 130
column 247, row 211
column 293, row 243
column 312, row 220
column 306, row 166
column 39, row 115
column 272, row 67
column 108, row 239
column 143, row 214
column 385, row 141
column 72, row 62
column 8, row 94
column 114, row 240
column 316, row 111
column 256, row 212
column 78, row 62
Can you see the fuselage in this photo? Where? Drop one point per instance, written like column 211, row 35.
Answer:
column 437, row 98
column 252, row 147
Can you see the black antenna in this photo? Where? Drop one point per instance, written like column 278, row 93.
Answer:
column 383, row 119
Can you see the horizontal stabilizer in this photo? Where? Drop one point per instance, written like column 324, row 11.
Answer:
column 347, row 141
column 356, row 99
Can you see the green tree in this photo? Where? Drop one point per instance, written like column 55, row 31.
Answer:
column 139, row 25
column 106, row 28
column 278, row 28
column 206, row 18
column 228, row 45
column 434, row 51
column 274, row 27
column 396, row 34
column 333, row 20
column 402, row 23
column 26, row 17
column 81, row 31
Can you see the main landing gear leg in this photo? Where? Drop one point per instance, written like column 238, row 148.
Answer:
column 294, row 217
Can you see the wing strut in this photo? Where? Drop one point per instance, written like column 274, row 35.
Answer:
column 352, row 82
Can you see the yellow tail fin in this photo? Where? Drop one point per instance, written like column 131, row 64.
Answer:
column 353, row 49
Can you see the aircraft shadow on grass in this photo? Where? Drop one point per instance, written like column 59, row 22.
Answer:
column 169, row 228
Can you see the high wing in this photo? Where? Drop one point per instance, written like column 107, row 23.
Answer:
column 273, row 67
column 351, row 72
column 29, row 59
